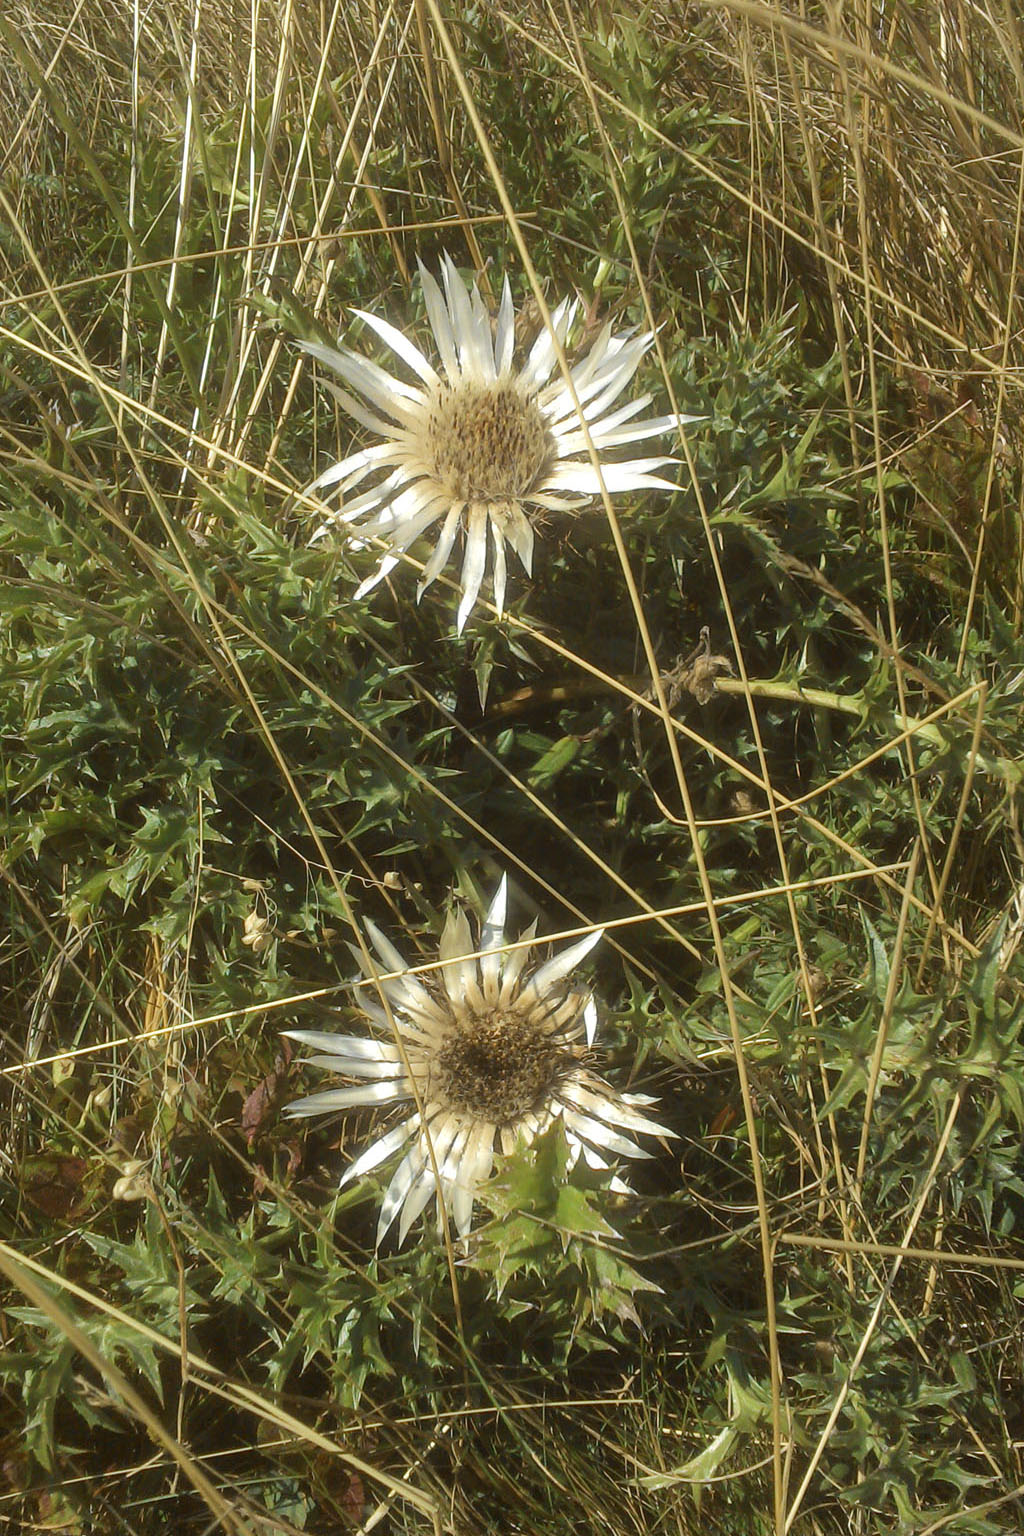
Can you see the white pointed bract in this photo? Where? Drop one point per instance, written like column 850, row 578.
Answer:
column 481, row 447
column 497, row 1047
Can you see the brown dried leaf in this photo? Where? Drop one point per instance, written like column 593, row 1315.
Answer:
column 263, row 1099
column 55, row 1184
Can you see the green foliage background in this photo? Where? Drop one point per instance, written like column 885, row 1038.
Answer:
column 808, row 1317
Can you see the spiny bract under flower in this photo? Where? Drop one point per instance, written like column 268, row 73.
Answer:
column 483, row 445
column 496, row 1047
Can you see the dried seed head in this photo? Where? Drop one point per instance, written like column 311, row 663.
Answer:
column 498, row 1067
column 487, row 442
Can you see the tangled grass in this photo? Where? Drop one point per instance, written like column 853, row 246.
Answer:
column 764, row 730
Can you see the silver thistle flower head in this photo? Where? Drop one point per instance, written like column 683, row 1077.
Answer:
column 481, row 447
column 494, row 1048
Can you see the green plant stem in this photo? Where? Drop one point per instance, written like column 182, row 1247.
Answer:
column 525, row 699
column 845, row 704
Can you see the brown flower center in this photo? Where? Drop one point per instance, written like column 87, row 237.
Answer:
column 497, row 1067
column 487, row 442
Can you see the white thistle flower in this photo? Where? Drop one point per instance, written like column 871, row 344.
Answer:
column 497, row 1047
column 481, row 445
